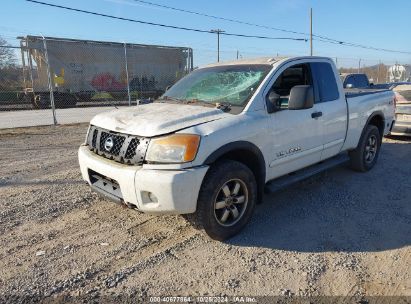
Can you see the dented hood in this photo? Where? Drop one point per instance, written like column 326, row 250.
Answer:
column 155, row 118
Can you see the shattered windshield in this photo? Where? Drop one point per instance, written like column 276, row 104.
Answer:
column 229, row 85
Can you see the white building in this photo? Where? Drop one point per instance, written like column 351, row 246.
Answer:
column 399, row 73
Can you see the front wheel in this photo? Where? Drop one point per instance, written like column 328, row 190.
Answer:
column 364, row 157
column 226, row 200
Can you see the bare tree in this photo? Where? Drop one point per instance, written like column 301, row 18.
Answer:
column 7, row 56
column 10, row 72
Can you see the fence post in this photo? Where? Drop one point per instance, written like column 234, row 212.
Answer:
column 128, row 82
column 50, row 81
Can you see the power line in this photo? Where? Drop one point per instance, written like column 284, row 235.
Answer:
column 9, row 47
column 364, row 46
column 234, row 20
column 320, row 38
column 220, row 18
column 160, row 24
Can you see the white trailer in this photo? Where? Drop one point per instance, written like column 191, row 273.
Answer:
column 80, row 68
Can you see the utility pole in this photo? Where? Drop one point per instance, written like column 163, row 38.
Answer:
column 218, row 32
column 378, row 73
column 311, row 31
column 359, row 66
column 237, row 54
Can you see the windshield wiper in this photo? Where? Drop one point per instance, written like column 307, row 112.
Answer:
column 225, row 107
column 198, row 101
column 165, row 98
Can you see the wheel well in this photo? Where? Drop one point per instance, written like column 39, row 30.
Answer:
column 253, row 162
column 379, row 122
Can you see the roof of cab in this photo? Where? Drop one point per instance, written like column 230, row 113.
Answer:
column 260, row 60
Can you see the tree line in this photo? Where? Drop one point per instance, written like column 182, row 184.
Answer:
column 11, row 75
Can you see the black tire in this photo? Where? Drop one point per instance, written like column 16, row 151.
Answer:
column 210, row 216
column 361, row 159
column 67, row 100
column 42, row 101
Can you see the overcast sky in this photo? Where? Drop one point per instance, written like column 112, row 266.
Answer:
column 381, row 24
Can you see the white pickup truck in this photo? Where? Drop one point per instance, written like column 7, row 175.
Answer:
column 225, row 133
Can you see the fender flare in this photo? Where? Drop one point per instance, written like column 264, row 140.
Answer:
column 376, row 113
column 373, row 114
column 243, row 145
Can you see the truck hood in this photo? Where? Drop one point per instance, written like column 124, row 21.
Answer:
column 156, row 118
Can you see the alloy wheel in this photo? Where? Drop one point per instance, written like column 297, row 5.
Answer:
column 231, row 202
column 371, row 149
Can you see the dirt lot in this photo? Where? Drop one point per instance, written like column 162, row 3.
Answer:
column 340, row 233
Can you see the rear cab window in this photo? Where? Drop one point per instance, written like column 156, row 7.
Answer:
column 325, row 84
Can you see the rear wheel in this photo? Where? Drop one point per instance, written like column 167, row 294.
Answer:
column 226, row 200
column 65, row 100
column 42, row 101
column 364, row 157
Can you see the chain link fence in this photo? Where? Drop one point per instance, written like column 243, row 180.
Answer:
column 58, row 74
column 69, row 80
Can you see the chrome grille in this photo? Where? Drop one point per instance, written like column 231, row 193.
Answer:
column 132, row 148
column 118, row 141
column 123, row 148
column 94, row 140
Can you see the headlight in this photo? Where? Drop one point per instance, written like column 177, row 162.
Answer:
column 176, row 148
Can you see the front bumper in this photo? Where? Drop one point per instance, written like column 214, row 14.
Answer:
column 402, row 126
column 176, row 190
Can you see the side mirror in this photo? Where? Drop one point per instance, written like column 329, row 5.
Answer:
column 348, row 86
column 272, row 100
column 301, row 97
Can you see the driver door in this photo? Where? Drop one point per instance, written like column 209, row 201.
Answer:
column 296, row 134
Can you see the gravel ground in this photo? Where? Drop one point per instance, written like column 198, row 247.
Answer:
column 337, row 234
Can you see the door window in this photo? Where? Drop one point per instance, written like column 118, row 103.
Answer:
column 295, row 75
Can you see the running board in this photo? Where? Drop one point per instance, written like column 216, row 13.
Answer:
column 300, row 175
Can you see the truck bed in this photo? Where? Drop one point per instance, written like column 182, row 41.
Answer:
column 362, row 104
column 360, row 92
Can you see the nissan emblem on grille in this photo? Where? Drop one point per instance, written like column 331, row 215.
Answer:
column 123, row 148
column 108, row 144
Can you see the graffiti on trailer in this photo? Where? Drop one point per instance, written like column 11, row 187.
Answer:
column 76, row 68
column 107, row 82
column 143, row 84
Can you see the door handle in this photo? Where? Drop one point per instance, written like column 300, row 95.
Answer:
column 316, row 114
